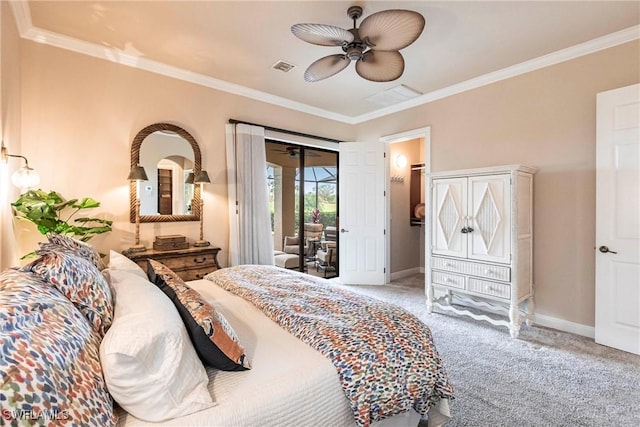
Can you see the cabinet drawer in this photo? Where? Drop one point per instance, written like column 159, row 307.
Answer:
column 447, row 279
column 485, row 287
column 488, row 271
column 189, row 261
column 195, row 274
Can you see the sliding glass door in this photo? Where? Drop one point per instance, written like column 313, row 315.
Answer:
column 303, row 191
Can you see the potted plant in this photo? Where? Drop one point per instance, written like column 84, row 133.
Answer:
column 53, row 215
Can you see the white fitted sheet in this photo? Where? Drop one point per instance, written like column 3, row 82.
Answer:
column 290, row 384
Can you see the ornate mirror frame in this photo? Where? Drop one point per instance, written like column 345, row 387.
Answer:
column 135, row 160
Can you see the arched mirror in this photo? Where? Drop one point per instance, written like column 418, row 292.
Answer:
column 168, row 154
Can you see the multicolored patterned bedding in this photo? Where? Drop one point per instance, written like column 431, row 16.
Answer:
column 50, row 371
column 385, row 357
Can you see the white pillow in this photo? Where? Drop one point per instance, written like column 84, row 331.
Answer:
column 149, row 364
column 119, row 262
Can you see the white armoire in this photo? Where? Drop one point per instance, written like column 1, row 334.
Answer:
column 481, row 233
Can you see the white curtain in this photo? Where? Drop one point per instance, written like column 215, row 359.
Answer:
column 250, row 239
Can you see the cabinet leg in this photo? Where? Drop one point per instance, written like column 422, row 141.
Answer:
column 429, row 299
column 514, row 319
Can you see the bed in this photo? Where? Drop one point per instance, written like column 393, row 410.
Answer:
column 290, row 383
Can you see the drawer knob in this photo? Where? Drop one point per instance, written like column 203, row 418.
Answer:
column 448, row 264
column 200, row 261
column 448, row 280
column 489, row 271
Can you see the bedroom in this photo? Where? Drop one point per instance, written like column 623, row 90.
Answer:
column 75, row 115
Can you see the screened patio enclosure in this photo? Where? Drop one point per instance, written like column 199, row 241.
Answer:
column 301, row 191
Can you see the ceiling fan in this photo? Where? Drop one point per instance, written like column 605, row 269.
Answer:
column 374, row 46
column 294, row 152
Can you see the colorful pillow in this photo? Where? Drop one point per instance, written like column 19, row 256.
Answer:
column 49, row 358
column 149, row 364
column 78, row 280
column 213, row 338
column 82, row 249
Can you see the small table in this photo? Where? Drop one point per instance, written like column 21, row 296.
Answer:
column 190, row 264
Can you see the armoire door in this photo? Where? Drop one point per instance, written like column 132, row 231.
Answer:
column 448, row 216
column 489, row 216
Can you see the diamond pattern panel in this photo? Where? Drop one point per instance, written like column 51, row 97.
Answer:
column 487, row 217
column 448, row 216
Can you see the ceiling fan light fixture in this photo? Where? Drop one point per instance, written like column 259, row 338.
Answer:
column 384, row 33
column 354, row 53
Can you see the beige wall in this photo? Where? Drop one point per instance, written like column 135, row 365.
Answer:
column 10, row 112
column 544, row 119
column 80, row 115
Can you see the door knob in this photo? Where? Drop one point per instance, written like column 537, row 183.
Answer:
column 342, row 230
column 605, row 249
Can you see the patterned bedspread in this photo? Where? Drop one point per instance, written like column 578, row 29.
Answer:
column 385, row 357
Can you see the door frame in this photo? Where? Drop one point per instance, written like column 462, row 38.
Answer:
column 424, row 132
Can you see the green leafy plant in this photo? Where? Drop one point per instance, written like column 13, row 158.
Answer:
column 53, row 215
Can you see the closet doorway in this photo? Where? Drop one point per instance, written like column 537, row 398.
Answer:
column 303, row 200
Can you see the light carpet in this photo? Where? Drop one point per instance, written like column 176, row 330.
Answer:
column 544, row 378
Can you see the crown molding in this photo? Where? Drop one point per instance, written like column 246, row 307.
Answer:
column 586, row 48
column 22, row 15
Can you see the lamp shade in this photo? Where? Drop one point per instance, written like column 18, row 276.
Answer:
column 201, row 177
column 25, row 178
column 189, row 179
column 137, row 174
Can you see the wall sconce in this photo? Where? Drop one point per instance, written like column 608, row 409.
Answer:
column 201, row 178
column 401, row 161
column 24, row 178
column 137, row 174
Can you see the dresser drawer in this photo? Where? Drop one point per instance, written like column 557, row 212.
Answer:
column 486, row 287
column 189, row 261
column 448, row 279
column 472, row 268
column 195, row 274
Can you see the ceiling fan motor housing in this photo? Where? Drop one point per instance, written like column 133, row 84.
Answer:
column 356, row 47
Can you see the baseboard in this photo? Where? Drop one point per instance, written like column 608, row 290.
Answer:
column 405, row 273
column 565, row 325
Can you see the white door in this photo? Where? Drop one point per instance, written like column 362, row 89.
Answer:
column 618, row 219
column 362, row 213
column 449, row 210
column 489, row 213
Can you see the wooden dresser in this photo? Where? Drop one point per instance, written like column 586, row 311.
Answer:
column 190, row 264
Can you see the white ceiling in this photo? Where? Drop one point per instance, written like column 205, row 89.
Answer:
column 231, row 45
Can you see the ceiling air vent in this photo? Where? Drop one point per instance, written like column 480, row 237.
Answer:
column 394, row 95
column 283, row 66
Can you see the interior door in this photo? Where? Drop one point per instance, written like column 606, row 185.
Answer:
column 361, row 227
column 165, row 191
column 618, row 219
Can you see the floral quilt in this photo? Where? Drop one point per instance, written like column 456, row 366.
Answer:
column 384, row 356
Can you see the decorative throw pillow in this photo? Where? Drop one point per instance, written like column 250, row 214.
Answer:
column 149, row 364
column 49, row 358
column 215, row 341
column 79, row 281
column 119, row 262
column 82, row 249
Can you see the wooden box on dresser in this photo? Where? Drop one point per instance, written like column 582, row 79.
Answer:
column 481, row 229
column 190, row 264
